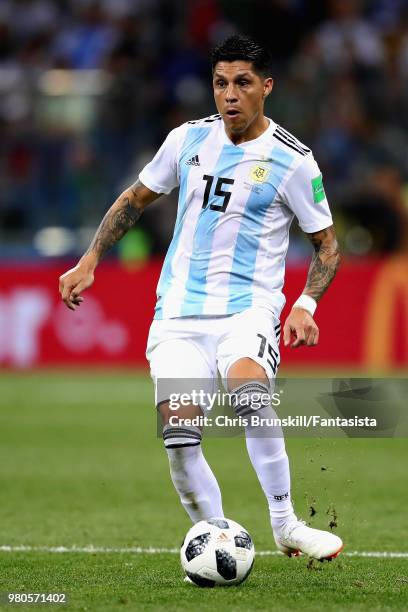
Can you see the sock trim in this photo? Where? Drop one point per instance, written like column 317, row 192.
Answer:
column 181, row 436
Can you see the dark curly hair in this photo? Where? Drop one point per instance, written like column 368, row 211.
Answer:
column 244, row 48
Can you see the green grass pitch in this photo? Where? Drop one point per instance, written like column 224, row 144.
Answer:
column 80, row 465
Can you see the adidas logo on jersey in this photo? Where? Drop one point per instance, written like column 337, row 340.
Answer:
column 194, row 161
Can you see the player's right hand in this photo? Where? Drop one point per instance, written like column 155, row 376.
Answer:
column 73, row 283
column 301, row 328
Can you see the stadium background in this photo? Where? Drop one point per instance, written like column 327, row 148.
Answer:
column 88, row 91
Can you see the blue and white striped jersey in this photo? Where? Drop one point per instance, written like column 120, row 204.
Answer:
column 236, row 204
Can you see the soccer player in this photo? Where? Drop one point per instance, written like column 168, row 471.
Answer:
column 242, row 180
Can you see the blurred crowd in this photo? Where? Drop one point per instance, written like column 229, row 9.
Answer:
column 89, row 89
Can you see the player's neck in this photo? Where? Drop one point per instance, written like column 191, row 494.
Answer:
column 253, row 131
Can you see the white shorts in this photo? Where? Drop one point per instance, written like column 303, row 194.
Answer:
column 200, row 347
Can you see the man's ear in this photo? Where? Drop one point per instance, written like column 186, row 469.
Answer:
column 268, row 86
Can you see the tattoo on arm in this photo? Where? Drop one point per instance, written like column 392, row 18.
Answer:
column 122, row 215
column 324, row 264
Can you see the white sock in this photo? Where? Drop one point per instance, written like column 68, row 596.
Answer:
column 270, row 461
column 266, row 449
column 195, row 482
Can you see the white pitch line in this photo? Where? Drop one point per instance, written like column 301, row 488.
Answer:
column 89, row 549
column 157, row 551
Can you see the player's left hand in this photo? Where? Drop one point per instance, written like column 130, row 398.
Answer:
column 300, row 325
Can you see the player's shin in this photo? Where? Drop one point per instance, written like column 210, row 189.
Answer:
column 266, row 450
column 191, row 475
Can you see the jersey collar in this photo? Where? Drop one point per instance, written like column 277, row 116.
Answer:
column 265, row 135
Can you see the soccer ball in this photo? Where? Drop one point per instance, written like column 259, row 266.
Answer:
column 217, row 552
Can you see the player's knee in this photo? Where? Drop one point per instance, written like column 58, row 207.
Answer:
column 169, row 413
column 181, row 436
column 246, row 369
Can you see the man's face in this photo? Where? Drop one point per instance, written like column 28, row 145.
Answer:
column 239, row 94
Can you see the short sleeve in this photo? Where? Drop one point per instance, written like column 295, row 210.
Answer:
column 304, row 194
column 161, row 175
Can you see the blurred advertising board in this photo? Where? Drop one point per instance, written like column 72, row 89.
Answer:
column 363, row 317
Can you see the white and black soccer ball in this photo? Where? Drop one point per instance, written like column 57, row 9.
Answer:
column 217, row 552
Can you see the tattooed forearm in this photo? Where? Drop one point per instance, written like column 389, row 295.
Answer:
column 122, row 215
column 324, row 264
column 117, row 221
